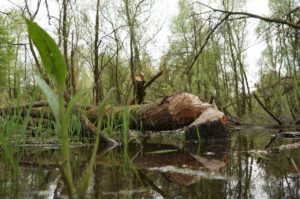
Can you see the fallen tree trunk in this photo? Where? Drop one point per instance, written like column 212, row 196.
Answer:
column 173, row 112
column 181, row 110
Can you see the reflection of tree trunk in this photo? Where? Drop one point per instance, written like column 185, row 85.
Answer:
column 148, row 181
column 239, row 169
column 149, row 160
column 97, row 181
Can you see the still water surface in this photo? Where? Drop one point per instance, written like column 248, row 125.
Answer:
column 248, row 165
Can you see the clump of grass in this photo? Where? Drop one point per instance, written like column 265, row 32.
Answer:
column 110, row 124
column 13, row 127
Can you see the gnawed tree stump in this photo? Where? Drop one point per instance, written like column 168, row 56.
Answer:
column 210, row 124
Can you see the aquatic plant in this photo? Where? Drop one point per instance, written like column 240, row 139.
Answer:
column 55, row 67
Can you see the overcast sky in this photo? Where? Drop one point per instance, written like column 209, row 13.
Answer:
column 165, row 10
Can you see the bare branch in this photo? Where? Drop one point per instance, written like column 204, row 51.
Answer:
column 152, row 79
column 11, row 43
column 266, row 109
column 251, row 15
column 205, row 43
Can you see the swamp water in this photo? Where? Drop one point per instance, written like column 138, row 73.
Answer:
column 248, row 165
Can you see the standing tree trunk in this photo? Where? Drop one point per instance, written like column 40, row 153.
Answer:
column 97, row 78
column 235, row 71
column 135, row 62
column 72, row 65
column 65, row 42
column 118, row 95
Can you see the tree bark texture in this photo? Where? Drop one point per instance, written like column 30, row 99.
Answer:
column 173, row 112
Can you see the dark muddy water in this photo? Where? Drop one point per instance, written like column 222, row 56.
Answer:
column 248, row 165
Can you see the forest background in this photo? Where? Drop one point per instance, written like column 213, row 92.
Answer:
column 218, row 50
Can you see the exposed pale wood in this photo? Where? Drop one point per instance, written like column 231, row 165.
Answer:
column 173, row 112
column 211, row 123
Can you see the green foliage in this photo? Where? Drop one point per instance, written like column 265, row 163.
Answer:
column 7, row 52
column 280, row 75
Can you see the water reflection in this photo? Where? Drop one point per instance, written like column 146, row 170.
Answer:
column 164, row 166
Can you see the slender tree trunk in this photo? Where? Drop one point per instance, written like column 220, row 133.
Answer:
column 234, row 65
column 249, row 92
column 132, row 69
column 72, row 66
column 118, row 95
column 9, row 83
column 65, row 42
column 135, row 62
column 97, row 79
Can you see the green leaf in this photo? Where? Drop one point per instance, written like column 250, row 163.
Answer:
column 51, row 56
column 52, row 98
